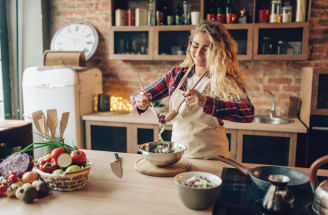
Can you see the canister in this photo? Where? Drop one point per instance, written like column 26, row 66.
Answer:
column 286, row 13
column 275, row 16
column 281, row 47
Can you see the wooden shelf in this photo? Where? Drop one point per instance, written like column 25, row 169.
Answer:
column 252, row 36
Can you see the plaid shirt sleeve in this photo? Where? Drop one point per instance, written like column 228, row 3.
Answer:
column 163, row 87
column 236, row 111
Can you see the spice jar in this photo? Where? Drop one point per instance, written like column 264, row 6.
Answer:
column 275, row 16
column 281, row 47
column 286, row 13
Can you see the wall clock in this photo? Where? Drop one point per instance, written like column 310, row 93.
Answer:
column 76, row 36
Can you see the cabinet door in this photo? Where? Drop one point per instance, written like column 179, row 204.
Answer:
column 171, row 42
column 284, row 41
column 261, row 147
column 131, row 44
column 108, row 136
column 243, row 35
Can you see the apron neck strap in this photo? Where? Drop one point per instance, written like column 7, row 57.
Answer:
column 184, row 77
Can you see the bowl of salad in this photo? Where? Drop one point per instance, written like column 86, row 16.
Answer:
column 162, row 154
column 197, row 190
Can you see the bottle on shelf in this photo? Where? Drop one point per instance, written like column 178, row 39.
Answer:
column 150, row 16
column 281, row 47
column 228, row 7
column 165, row 14
column 286, row 13
column 185, row 12
column 178, row 15
column 266, row 46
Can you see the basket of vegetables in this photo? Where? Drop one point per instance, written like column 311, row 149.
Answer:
column 65, row 169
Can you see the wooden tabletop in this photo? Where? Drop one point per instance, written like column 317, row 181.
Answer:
column 104, row 193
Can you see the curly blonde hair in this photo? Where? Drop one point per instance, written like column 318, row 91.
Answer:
column 227, row 83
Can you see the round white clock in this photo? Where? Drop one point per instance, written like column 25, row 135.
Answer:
column 76, row 36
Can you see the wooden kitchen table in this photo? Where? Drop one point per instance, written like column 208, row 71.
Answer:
column 104, row 193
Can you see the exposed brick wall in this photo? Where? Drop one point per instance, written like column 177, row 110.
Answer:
column 283, row 78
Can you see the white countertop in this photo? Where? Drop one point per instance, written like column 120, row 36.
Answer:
column 149, row 118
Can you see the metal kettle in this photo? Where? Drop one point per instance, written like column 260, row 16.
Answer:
column 320, row 199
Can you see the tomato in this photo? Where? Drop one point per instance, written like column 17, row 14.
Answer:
column 12, row 177
column 78, row 157
column 3, row 189
column 56, row 152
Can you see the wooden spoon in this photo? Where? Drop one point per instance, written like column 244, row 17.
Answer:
column 37, row 115
column 175, row 112
column 151, row 104
column 63, row 123
column 51, row 120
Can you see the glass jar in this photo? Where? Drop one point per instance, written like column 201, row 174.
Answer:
column 275, row 16
column 290, row 49
column 281, row 47
column 266, row 46
column 286, row 13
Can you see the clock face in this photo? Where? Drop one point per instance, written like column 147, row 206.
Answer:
column 76, row 36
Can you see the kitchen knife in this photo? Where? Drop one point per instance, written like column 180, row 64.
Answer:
column 116, row 166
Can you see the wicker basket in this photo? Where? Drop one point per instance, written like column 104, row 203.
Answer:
column 66, row 182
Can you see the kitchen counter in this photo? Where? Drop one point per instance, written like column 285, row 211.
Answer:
column 104, row 193
column 149, row 118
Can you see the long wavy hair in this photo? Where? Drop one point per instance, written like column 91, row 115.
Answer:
column 227, row 83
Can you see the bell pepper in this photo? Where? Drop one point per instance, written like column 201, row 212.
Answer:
column 48, row 165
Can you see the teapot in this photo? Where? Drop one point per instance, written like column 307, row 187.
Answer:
column 278, row 198
column 320, row 199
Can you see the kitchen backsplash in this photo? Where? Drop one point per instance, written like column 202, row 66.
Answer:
column 283, row 78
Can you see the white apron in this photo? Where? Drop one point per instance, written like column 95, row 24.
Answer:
column 200, row 132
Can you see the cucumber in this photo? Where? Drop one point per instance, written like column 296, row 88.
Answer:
column 64, row 160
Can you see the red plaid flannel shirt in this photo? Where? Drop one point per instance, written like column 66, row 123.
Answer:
column 236, row 111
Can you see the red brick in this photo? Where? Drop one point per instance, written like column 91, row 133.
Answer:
column 282, row 96
column 279, row 80
column 275, row 65
column 291, row 88
column 272, row 88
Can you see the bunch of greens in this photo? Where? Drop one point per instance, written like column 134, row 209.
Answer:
column 52, row 142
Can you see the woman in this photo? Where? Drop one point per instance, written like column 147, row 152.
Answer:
column 219, row 95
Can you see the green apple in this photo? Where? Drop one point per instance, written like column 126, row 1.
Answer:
column 58, row 172
column 73, row 168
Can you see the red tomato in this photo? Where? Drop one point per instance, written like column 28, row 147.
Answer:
column 56, row 152
column 3, row 189
column 78, row 157
column 12, row 177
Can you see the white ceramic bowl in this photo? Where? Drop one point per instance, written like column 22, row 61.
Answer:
column 197, row 198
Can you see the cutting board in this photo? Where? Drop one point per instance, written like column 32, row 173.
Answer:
column 146, row 168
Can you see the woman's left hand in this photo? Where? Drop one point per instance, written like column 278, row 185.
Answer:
column 193, row 97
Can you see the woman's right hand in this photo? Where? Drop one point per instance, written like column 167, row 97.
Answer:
column 142, row 100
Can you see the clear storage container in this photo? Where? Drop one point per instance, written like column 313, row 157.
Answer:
column 286, row 13
column 275, row 16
